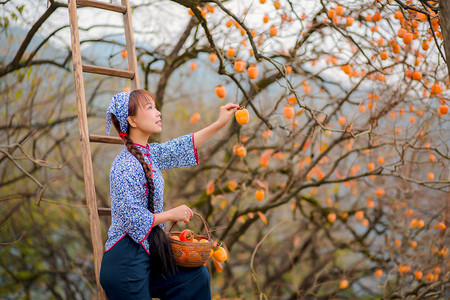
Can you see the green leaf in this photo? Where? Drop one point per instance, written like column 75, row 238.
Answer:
column 20, row 8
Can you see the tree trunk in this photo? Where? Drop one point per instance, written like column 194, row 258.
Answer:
column 444, row 12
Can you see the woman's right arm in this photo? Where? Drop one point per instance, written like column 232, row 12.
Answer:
column 180, row 213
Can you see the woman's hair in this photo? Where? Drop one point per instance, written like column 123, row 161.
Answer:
column 162, row 260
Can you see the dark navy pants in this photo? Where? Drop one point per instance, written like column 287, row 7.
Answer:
column 125, row 274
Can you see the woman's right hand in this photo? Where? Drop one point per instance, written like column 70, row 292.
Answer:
column 181, row 213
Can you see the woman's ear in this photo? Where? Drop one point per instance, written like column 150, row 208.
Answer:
column 131, row 121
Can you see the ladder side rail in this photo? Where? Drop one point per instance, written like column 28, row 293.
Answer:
column 94, row 220
column 132, row 60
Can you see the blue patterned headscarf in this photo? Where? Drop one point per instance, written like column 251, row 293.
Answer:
column 119, row 108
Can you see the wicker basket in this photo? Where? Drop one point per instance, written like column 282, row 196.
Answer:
column 191, row 254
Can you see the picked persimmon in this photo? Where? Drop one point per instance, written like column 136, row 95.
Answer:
column 218, row 266
column 242, row 116
column 187, row 235
column 220, row 254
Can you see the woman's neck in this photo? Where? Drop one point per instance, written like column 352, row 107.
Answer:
column 138, row 137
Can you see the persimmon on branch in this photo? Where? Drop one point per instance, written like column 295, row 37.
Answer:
column 193, row 5
column 440, row 6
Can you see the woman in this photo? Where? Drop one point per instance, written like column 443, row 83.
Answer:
column 138, row 261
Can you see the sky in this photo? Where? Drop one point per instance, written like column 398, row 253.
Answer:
column 153, row 19
column 162, row 22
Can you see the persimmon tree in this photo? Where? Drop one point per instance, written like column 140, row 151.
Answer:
column 338, row 184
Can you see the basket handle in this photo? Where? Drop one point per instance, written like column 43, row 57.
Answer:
column 204, row 223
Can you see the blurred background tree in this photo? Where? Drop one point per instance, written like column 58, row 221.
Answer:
column 338, row 187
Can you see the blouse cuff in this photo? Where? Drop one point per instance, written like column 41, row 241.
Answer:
column 153, row 222
column 195, row 150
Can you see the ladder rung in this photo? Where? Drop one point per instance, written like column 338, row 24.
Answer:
column 102, row 5
column 108, row 71
column 104, row 211
column 105, row 139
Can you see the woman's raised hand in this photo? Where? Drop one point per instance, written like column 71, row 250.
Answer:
column 226, row 112
column 181, row 213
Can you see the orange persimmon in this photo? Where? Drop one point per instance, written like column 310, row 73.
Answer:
column 259, row 194
column 220, row 254
column 443, row 109
column 242, row 116
column 221, row 91
column 239, row 66
column 252, row 72
column 288, row 111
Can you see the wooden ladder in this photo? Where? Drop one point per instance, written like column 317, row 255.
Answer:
column 85, row 137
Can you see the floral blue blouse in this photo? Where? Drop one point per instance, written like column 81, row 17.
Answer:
column 129, row 213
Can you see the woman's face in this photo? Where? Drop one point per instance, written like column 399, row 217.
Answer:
column 147, row 119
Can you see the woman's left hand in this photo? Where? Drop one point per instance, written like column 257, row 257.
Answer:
column 226, row 112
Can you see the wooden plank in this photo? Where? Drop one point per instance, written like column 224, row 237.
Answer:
column 102, row 5
column 108, row 71
column 104, row 211
column 94, row 221
column 132, row 60
column 105, row 139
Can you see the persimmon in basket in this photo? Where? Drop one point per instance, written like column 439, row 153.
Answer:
column 187, row 235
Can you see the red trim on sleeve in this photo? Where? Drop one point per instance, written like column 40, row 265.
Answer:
column 116, row 242
column 147, row 236
column 145, row 249
column 195, row 149
column 148, row 231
